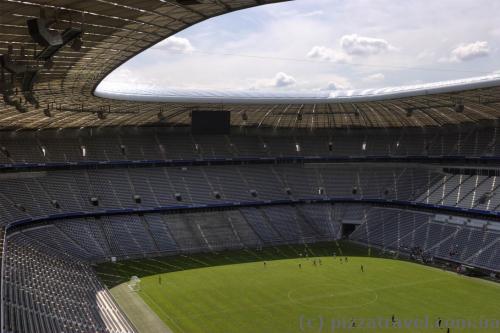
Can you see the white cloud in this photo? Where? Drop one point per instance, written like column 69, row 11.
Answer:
column 328, row 54
column 338, row 83
column 377, row 77
column 360, row 45
column 280, row 80
column 283, row 80
column 471, row 51
column 176, row 44
column 334, row 86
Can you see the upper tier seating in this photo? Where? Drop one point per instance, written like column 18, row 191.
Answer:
column 159, row 144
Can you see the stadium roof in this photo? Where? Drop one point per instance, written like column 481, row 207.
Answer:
column 148, row 93
column 59, row 93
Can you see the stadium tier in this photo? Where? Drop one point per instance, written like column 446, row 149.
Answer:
column 154, row 143
column 90, row 176
column 92, row 214
column 45, row 291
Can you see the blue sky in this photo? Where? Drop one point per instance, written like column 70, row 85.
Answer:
column 326, row 45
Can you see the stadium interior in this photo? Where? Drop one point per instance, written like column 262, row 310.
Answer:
column 86, row 180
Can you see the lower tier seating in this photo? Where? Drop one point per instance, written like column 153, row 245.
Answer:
column 49, row 285
column 476, row 243
column 48, row 291
column 126, row 236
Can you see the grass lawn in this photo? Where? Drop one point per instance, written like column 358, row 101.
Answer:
column 283, row 297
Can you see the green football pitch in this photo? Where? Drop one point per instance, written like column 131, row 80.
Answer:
column 237, row 292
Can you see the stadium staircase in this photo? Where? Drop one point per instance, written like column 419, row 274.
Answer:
column 233, row 229
column 483, row 249
column 444, row 240
column 2, row 240
column 148, row 231
column 308, row 221
column 270, row 225
column 472, row 191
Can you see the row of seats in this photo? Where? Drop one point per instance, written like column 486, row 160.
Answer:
column 155, row 144
column 47, row 291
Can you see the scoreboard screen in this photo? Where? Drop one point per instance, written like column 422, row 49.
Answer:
column 211, row 122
